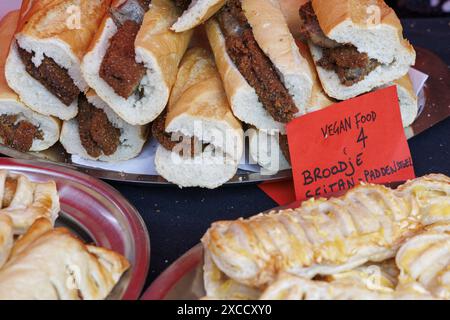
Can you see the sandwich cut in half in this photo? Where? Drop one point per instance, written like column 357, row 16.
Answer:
column 133, row 60
column 267, row 81
column 98, row 133
column 201, row 142
column 44, row 63
column 20, row 127
column 357, row 46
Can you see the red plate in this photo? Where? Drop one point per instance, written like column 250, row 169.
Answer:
column 97, row 213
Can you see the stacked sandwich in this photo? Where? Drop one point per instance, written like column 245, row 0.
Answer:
column 372, row 243
column 40, row 262
column 111, row 71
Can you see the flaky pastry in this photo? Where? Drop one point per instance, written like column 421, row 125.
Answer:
column 25, row 201
column 324, row 237
column 51, row 264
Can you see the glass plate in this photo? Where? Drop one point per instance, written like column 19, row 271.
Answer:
column 98, row 214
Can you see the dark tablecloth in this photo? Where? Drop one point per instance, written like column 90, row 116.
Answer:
column 176, row 219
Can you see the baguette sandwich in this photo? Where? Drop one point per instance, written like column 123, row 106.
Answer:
column 133, row 60
column 20, row 127
column 267, row 81
column 43, row 65
column 201, row 142
column 357, row 46
column 98, row 133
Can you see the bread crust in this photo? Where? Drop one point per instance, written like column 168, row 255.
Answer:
column 359, row 13
column 199, row 92
column 37, row 21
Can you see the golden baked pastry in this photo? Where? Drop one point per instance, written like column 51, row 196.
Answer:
column 51, row 264
column 426, row 259
column 289, row 287
column 25, row 201
column 323, row 237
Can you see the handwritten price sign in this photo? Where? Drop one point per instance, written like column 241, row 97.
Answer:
column 358, row 140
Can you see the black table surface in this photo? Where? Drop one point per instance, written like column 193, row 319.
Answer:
column 177, row 218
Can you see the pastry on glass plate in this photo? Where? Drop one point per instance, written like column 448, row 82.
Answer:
column 25, row 201
column 51, row 264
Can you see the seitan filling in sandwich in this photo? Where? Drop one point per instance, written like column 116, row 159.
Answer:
column 253, row 64
column 166, row 139
column 350, row 65
column 54, row 78
column 119, row 67
column 18, row 134
column 97, row 134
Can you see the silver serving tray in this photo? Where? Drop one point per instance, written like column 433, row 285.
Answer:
column 435, row 98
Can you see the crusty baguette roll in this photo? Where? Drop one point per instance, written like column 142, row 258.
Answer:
column 156, row 46
column 132, row 138
column 10, row 104
column 369, row 223
column 60, row 30
column 198, row 12
column 198, row 108
column 373, row 28
column 52, row 264
column 25, row 201
column 6, row 238
column 274, row 38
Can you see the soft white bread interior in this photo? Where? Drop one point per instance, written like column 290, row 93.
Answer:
column 132, row 138
column 273, row 36
column 10, row 103
column 198, row 12
column 61, row 30
column 373, row 28
column 52, row 264
column 198, row 108
column 157, row 47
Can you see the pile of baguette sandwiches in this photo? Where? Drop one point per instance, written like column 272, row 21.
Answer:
column 103, row 77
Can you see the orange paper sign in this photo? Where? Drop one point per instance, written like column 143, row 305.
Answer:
column 358, row 140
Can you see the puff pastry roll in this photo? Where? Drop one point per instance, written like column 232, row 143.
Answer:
column 51, row 264
column 323, row 236
column 426, row 259
column 25, row 201
column 6, row 238
column 289, row 287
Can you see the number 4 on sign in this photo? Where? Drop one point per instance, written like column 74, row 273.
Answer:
column 362, row 138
